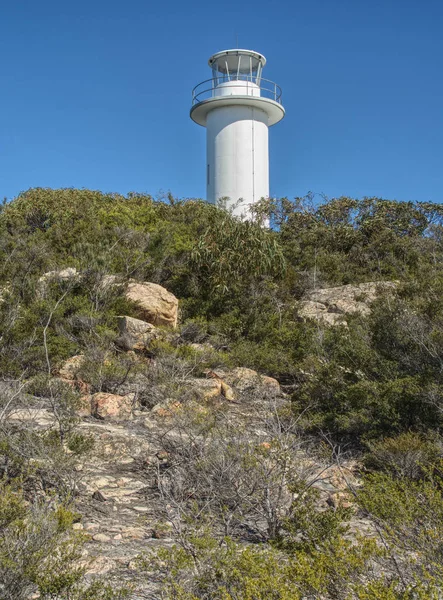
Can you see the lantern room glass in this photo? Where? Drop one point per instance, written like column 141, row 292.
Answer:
column 240, row 67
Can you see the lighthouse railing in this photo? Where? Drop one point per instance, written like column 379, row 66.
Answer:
column 261, row 87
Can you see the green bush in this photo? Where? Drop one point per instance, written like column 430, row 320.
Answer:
column 39, row 552
column 408, row 455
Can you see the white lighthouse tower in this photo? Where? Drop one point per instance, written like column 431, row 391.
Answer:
column 237, row 107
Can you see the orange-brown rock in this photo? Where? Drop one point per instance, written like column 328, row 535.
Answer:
column 225, row 389
column 71, row 367
column 111, row 406
column 84, row 406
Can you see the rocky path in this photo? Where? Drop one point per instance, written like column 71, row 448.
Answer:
column 117, row 499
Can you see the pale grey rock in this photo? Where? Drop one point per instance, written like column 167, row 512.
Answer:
column 37, row 417
column 101, row 537
column 68, row 274
column 309, row 309
column 242, row 379
column 203, row 389
column 331, row 305
column 135, row 333
column 99, row 565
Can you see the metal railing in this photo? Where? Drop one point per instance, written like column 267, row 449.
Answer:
column 268, row 89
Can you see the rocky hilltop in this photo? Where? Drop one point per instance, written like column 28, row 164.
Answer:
column 196, row 407
column 118, row 496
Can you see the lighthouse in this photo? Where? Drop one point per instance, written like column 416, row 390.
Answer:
column 237, row 106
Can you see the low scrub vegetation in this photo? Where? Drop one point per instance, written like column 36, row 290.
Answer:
column 239, row 496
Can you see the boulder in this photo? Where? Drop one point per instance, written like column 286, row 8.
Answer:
column 83, row 408
column 201, row 347
column 340, row 500
column 242, row 379
column 101, row 537
column 204, row 389
column 71, row 367
column 135, row 333
column 227, row 391
column 316, row 310
column 331, row 305
column 76, row 384
column 97, row 565
column 167, row 409
column 68, row 274
column 155, row 304
column 111, row 406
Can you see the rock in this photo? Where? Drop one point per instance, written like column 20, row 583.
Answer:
column 204, row 389
column 161, row 533
column 315, row 310
column 70, row 273
column 155, row 304
column 38, row 417
column 167, row 409
column 71, row 367
column 201, row 347
column 102, row 481
column 134, row 533
column 111, row 406
column 227, row 391
column 242, row 379
column 100, row 565
column 124, row 489
column 344, row 476
column 101, row 537
column 141, row 509
column 339, row 500
column 331, row 305
column 97, row 495
column 83, row 408
column 135, row 333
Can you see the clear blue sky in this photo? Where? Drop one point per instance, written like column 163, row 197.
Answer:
column 96, row 93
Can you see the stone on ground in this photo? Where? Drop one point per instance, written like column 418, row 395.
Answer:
column 155, row 304
column 111, row 406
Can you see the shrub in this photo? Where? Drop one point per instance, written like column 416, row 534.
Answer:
column 40, row 553
column 409, row 455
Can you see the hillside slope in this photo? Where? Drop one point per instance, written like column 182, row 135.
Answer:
column 262, row 433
